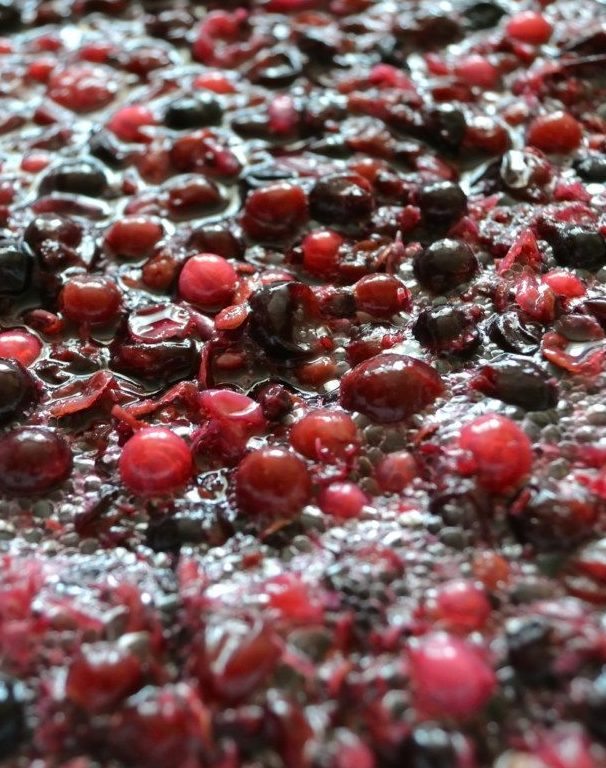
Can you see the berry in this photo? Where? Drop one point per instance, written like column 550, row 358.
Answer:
column 390, row 387
column 76, row 177
column 20, row 345
column 477, row 71
column 395, row 471
column 33, row 460
column 15, row 268
column 129, row 124
column 483, row 14
column 496, row 451
column 557, row 132
column 449, row 677
column 460, row 606
column 342, row 500
column 275, row 212
column 442, row 204
column 155, row 461
column 82, row 88
column 190, row 112
column 325, row 435
column 54, row 240
column 381, row 295
column 576, row 246
column 529, row 27
column 17, row 390
column 517, row 381
column 91, row 299
column 321, row 252
column 342, row 200
column 208, row 281
column 272, row 482
column 133, row 237
column 446, row 329
column 444, row 265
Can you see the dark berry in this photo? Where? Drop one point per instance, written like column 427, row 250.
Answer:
column 12, row 716
column 428, row 746
column 216, row 238
column 483, row 14
column 519, row 382
column 512, row 334
column 442, row 204
column 33, row 460
column 528, row 644
column 155, row 461
column 10, row 15
column 77, row 177
column 17, row 390
column 445, row 264
column 445, row 126
column 529, row 27
column 576, row 246
column 54, row 240
column 447, row 330
column 190, row 112
column 344, row 201
column 390, row 387
column 15, row 268
column 277, row 69
column 591, row 167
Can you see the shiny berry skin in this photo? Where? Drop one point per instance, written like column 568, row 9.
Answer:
column 20, row 345
column 208, row 281
column 91, row 299
column 381, row 295
column 557, row 132
column 343, row 200
column 460, row 606
column 275, row 212
column 272, row 482
column 442, row 203
column 189, row 112
column 449, row 677
column 17, row 390
column 342, row 500
column 133, row 237
column 101, row 675
column 496, row 451
column 129, row 124
column 390, row 387
column 33, row 460
column 396, row 471
column 15, row 268
column 529, row 27
column 155, row 461
column 82, row 88
column 321, row 252
column 444, row 265
column 325, row 435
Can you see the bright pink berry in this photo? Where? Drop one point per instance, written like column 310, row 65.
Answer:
column 496, row 451
column 396, row 471
column 529, row 27
column 129, row 124
column 449, row 677
column 343, row 500
column 20, row 345
column 557, row 132
column 321, row 252
column 155, row 461
column 33, row 460
column 460, row 605
column 325, row 435
column 208, row 281
column 272, row 482
column 91, row 299
column 133, row 237
column 564, row 283
column 381, row 295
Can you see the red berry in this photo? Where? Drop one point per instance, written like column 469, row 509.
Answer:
column 476, row 70
column 91, row 299
column 293, row 599
column 460, row 605
column 128, row 124
column 82, row 88
column 325, row 435
column 557, row 132
column 155, row 461
column 381, row 295
column 20, row 345
column 275, row 212
column 496, row 451
column 133, row 237
column 272, row 482
column 342, row 500
column 101, row 675
column 449, row 677
column 529, row 27
column 33, row 460
column 390, row 387
column 321, row 252
column 395, row 471
column 209, row 281
column 564, row 283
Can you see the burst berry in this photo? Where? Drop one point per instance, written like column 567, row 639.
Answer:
column 155, row 461
column 272, row 482
column 20, row 345
column 33, row 460
column 496, row 451
column 390, row 387
column 557, row 132
column 529, row 27
column 342, row 500
column 449, row 677
column 91, row 299
column 208, row 281
column 325, row 435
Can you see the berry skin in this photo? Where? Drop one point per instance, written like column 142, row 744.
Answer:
column 529, row 27
column 325, row 435
column 321, row 252
column 133, row 237
column 208, row 281
column 395, row 471
column 129, row 124
column 390, row 387
column 20, row 345
column 496, row 451
column 449, row 677
column 17, row 390
column 91, row 299
column 155, row 461
column 444, row 265
column 275, row 212
column 33, row 460
column 460, row 606
column 557, row 132
column 272, row 482
column 342, row 500
column 381, row 295
column 15, row 268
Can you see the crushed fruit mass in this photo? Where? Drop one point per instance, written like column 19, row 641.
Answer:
column 302, row 384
